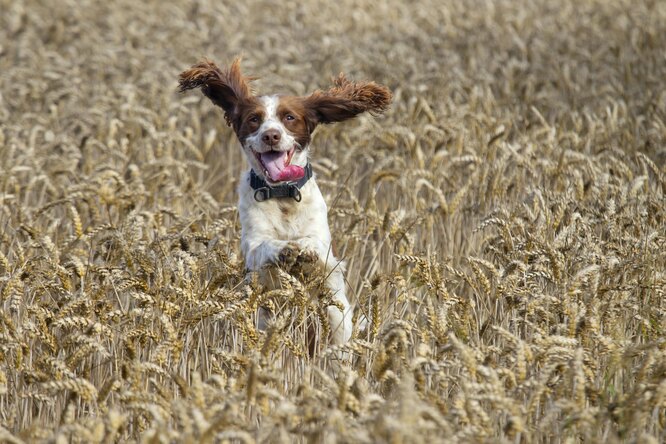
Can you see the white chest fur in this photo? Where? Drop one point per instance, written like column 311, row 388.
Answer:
column 270, row 226
column 282, row 219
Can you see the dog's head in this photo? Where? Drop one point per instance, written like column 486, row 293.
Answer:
column 275, row 131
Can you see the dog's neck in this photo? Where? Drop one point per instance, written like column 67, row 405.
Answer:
column 264, row 191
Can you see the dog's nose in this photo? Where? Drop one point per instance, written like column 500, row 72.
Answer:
column 271, row 136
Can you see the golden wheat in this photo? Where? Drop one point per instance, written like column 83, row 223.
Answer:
column 504, row 226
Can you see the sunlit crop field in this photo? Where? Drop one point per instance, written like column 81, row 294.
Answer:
column 503, row 225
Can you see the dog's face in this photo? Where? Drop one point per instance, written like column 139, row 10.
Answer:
column 275, row 131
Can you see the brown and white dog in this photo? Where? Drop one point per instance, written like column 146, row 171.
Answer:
column 283, row 214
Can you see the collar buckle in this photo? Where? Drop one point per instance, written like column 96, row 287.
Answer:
column 262, row 194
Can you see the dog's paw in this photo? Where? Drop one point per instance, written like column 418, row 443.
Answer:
column 288, row 255
column 307, row 257
column 306, row 262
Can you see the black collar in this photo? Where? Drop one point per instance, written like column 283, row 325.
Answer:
column 264, row 191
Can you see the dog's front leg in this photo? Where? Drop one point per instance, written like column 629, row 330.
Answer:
column 314, row 249
column 340, row 320
column 258, row 254
column 270, row 251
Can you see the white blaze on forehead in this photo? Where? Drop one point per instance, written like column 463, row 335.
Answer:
column 271, row 120
column 271, row 105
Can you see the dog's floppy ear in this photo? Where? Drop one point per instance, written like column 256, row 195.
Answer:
column 346, row 99
column 227, row 89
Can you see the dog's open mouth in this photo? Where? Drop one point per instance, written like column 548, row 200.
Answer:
column 277, row 166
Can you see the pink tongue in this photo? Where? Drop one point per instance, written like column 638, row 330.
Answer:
column 274, row 163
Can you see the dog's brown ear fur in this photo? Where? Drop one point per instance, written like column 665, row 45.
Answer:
column 227, row 89
column 347, row 99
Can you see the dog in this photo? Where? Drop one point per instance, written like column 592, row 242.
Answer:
column 282, row 212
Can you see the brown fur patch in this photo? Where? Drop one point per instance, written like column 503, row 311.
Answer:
column 242, row 122
column 284, row 209
column 227, row 89
column 302, row 125
column 346, row 99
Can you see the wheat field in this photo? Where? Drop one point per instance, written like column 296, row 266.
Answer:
column 503, row 224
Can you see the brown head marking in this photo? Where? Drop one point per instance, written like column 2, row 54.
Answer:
column 346, row 99
column 228, row 89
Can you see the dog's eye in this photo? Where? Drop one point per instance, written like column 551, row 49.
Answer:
column 253, row 119
column 289, row 117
